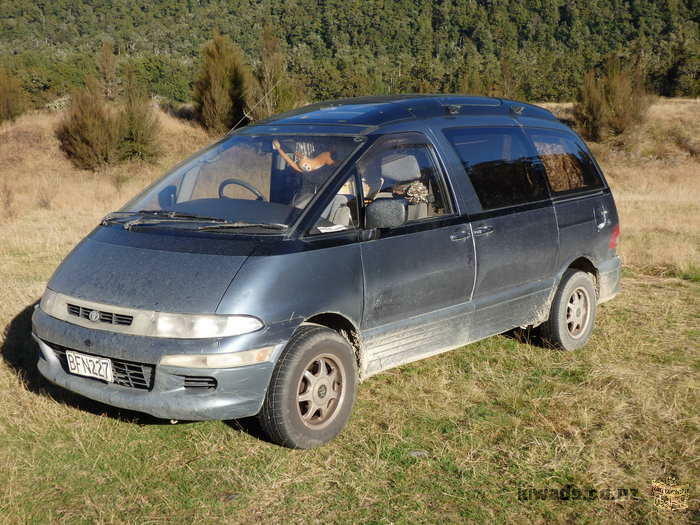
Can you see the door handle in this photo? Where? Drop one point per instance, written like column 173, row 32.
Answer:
column 603, row 222
column 483, row 230
column 459, row 236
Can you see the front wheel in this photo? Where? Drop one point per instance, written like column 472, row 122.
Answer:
column 572, row 314
column 312, row 389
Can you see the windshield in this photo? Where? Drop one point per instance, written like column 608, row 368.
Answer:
column 243, row 179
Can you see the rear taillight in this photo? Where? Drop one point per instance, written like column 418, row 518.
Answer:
column 614, row 237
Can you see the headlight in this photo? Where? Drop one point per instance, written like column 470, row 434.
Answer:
column 231, row 360
column 188, row 326
column 49, row 302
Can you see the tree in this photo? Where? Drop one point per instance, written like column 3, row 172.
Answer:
column 509, row 86
column 221, row 87
column 137, row 123
column 274, row 89
column 611, row 101
column 107, row 66
column 88, row 131
column 590, row 110
column 549, row 44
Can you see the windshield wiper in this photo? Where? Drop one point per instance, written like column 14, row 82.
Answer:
column 156, row 216
column 145, row 217
column 178, row 215
column 243, row 224
column 161, row 213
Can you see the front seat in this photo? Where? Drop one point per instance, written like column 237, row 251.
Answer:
column 404, row 168
column 417, row 211
column 338, row 211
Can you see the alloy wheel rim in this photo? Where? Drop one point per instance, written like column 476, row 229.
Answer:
column 578, row 312
column 321, row 391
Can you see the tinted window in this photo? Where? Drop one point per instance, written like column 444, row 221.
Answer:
column 569, row 167
column 404, row 167
column 498, row 162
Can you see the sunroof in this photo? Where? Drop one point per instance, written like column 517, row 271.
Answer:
column 341, row 112
column 364, row 113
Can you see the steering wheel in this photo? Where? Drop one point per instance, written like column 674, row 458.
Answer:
column 259, row 196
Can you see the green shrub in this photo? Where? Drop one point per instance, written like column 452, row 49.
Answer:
column 137, row 123
column 88, row 131
column 590, row 110
column 165, row 76
column 612, row 101
column 274, row 89
column 221, row 85
column 12, row 99
column 107, row 66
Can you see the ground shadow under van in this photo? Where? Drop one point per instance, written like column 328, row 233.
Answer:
column 528, row 336
column 20, row 352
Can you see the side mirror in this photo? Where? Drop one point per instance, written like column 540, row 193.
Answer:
column 385, row 213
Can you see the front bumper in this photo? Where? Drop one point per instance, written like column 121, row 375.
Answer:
column 239, row 391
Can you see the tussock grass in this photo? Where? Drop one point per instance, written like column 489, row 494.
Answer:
column 451, row 438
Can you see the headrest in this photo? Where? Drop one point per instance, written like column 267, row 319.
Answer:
column 400, row 167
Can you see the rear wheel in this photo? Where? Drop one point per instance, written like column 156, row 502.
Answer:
column 312, row 389
column 572, row 314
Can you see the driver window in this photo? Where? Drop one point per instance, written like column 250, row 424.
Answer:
column 342, row 212
column 405, row 168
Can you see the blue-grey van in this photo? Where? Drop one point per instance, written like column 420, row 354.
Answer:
column 271, row 272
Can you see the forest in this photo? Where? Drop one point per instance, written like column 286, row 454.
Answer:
column 537, row 50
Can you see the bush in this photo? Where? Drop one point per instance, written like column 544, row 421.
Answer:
column 168, row 77
column 107, row 66
column 590, row 110
column 88, row 132
column 221, row 85
column 12, row 100
column 611, row 102
column 273, row 89
column 137, row 124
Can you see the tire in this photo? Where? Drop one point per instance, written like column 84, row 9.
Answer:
column 299, row 410
column 572, row 314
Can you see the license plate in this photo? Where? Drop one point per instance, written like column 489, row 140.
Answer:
column 89, row 366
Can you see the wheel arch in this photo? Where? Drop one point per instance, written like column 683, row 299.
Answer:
column 345, row 327
column 585, row 264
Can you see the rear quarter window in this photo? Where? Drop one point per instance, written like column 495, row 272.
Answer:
column 498, row 161
column 568, row 165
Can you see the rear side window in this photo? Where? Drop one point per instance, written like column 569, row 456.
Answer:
column 569, row 167
column 498, row 162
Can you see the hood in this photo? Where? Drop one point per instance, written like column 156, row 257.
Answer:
column 166, row 273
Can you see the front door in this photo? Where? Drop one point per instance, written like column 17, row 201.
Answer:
column 418, row 275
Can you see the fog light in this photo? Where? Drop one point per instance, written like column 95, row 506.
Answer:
column 230, row 360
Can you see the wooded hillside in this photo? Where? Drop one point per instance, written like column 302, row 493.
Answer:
column 535, row 50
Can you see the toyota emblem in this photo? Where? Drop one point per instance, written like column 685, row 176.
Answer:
column 94, row 316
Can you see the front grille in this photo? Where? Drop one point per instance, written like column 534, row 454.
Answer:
column 125, row 373
column 105, row 317
column 204, row 383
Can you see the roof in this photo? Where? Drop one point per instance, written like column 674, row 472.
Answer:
column 380, row 110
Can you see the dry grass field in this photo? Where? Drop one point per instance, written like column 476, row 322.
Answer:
column 458, row 437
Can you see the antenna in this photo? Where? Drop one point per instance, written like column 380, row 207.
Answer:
column 245, row 115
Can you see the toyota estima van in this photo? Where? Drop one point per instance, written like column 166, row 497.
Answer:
column 271, row 272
